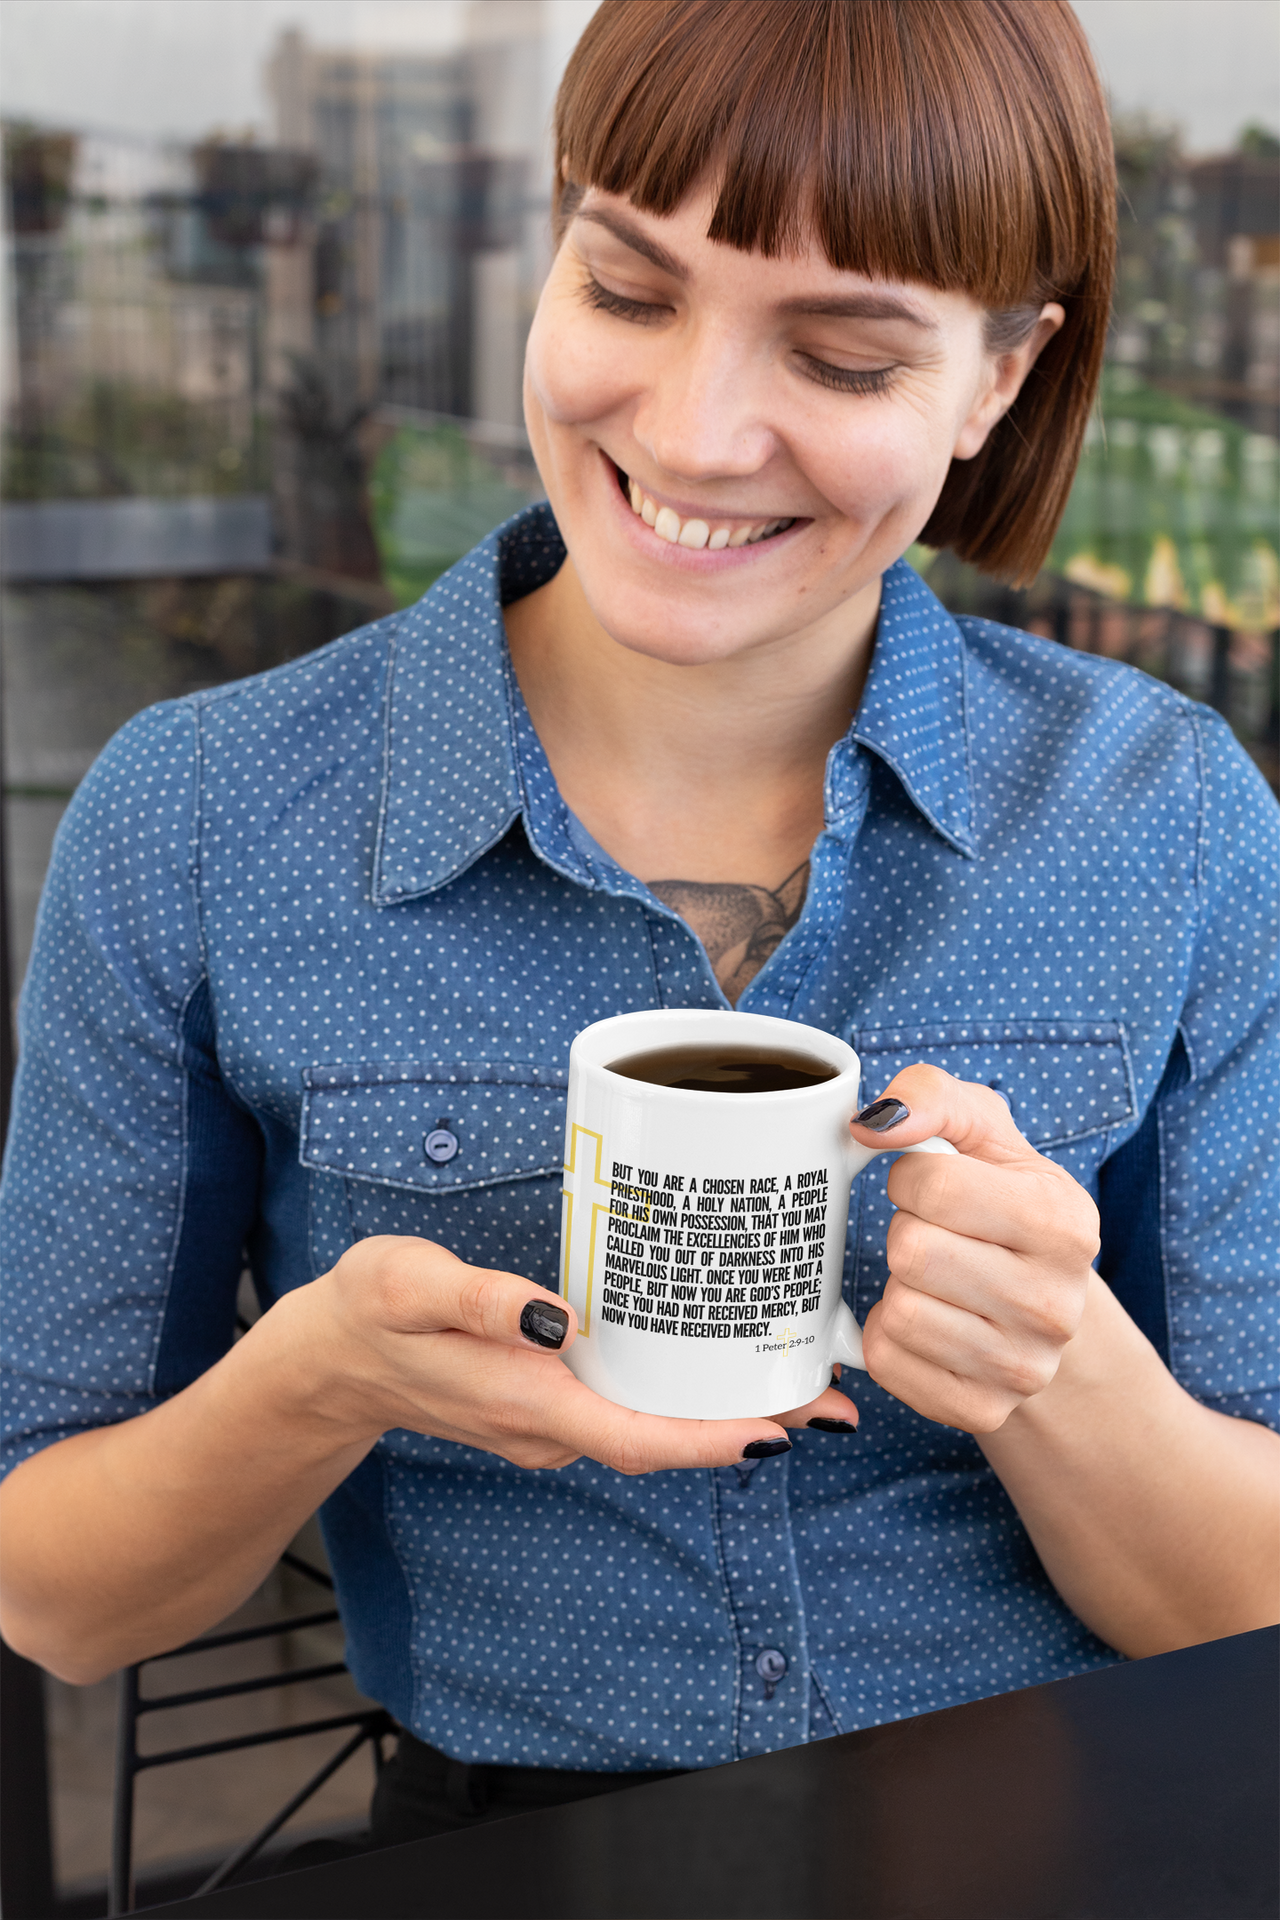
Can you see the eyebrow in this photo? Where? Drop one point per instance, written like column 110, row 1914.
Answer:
column 861, row 306
column 634, row 237
column 840, row 306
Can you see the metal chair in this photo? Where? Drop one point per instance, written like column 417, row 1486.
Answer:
column 369, row 1723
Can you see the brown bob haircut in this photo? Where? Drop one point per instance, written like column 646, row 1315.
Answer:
column 962, row 144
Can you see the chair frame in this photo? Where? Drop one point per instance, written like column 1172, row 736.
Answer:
column 368, row 1724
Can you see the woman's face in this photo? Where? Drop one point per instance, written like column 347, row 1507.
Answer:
column 736, row 447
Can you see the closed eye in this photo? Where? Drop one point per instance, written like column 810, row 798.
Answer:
column 622, row 306
column 846, row 379
column 604, row 300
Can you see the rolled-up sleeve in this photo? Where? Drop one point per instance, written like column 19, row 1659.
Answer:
column 1219, row 1137
column 130, row 1172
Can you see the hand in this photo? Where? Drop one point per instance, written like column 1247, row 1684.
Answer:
column 400, row 1333
column 990, row 1255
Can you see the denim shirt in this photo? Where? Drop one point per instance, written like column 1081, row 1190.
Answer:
column 296, row 924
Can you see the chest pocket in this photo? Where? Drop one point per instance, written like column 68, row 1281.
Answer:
column 466, row 1153
column 1069, row 1085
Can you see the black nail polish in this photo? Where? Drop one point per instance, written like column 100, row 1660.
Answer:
column 834, row 1426
column 765, row 1449
column 544, row 1324
column 835, row 1377
column 883, row 1114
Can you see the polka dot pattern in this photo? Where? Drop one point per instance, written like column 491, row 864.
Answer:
column 1038, row 870
column 375, row 1123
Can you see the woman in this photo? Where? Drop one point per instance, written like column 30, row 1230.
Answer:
column 831, row 277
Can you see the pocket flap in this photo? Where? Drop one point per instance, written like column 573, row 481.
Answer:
column 1063, row 1080
column 492, row 1121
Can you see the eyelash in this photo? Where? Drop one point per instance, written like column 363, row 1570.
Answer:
column 837, row 379
column 603, row 301
column 847, row 379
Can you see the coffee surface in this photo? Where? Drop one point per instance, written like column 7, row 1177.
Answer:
column 725, row 1069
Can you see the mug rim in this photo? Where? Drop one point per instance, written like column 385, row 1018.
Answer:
column 616, row 1037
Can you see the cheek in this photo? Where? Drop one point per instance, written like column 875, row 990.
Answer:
column 572, row 378
column 892, row 458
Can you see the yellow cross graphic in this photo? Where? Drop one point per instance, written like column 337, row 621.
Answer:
column 586, row 1183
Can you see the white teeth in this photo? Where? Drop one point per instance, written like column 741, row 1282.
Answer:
column 696, row 534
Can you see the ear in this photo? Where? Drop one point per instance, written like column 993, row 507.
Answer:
column 1002, row 382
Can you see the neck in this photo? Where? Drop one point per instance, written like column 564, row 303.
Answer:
column 711, row 770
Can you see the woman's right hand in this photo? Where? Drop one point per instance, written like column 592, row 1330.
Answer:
column 401, row 1333
column 124, row 1540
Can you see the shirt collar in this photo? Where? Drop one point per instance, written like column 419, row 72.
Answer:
column 451, row 786
column 913, row 713
column 452, row 783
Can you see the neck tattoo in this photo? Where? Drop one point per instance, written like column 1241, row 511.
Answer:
column 738, row 925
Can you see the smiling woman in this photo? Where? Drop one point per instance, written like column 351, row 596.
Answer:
column 961, row 148
column 763, row 362
column 829, row 276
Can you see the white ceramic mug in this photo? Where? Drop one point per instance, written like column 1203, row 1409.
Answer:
column 702, row 1243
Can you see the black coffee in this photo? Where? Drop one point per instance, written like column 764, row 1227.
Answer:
column 725, row 1069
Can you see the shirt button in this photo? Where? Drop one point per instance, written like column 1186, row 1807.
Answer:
column 771, row 1664
column 440, row 1145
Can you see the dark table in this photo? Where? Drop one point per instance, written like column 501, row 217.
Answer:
column 1144, row 1792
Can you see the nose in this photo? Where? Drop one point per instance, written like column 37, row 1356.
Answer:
column 702, row 415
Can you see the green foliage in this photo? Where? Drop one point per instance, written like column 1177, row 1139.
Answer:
column 433, row 496
column 1174, row 506
column 1260, row 142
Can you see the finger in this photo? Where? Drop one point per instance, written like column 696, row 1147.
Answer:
column 532, row 1394
column 1005, row 1205
column 634, row 1443
column 1017, row 1361
column 475, row 1312
column 1034, row 1207
column 933, row 1391
column 527, row 1407
column 831, row 1412
column 1015, row 1198
column 1018, row 1291
column 427, row 1289
column 973, row 1118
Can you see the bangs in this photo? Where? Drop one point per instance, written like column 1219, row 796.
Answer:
column 930, row 140
column 962, row 144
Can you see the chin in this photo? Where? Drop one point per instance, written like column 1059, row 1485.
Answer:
column 663, row 623
column 677, row 645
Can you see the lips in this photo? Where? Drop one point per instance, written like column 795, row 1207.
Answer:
column 694, row 532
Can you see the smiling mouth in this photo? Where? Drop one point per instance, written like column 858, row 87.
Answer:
column 696, row 533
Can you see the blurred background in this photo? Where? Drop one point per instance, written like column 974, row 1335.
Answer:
column 267, row 273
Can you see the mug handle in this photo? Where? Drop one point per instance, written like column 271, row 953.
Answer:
column 846, row 1342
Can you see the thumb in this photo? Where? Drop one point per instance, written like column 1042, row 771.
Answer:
column 513, row 1312
column 923, row 1102
column 426, row 1289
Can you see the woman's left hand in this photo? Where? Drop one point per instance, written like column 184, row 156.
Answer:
column 990, row 1254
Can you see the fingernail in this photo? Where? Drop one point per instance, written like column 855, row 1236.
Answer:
column 835, row 1376
column 544, row 1324
column 883, row 1114
column 765, row 1449
column 834, row 1426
